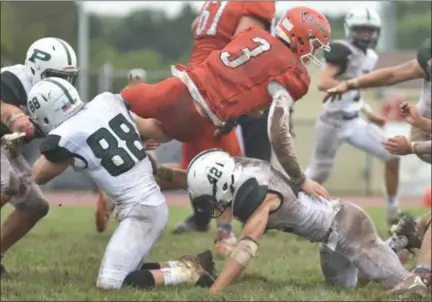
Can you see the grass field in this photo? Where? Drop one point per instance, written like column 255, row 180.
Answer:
column 59, row 260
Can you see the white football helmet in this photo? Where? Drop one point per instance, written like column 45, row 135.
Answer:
column 52, row 101
column 137, row 74
column 363, row 27
column 52, row 57
column 210, row 179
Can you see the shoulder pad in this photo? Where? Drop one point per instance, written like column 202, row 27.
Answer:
column 339, row 52
column 424, row 57
column 263, row 10
column 12, row 90
column 248, row 198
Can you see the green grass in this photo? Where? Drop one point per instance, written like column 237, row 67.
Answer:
column 59, row 260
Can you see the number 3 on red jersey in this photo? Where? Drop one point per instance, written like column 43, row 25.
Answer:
column 205, row 16
column 247, row 53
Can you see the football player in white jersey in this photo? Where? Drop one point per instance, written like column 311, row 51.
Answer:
column 340, row 121
column 45, row 58
column 264, row 198
column 418, row 68
column 102, row 139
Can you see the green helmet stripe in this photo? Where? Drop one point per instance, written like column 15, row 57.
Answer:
column 65, row 91
column 69, row 57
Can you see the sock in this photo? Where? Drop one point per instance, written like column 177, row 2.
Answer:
column 225, row 227
column 150, row 266
column 173, row 264
column 178, row 275
column 392, row 200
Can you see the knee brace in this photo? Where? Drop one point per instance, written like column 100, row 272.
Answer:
column 140, row 279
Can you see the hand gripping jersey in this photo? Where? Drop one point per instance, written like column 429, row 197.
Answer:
column 234, row 81
column 104, row 142
column 15, row 85
column 354, row 62
column 218, row 21
column 298, row 213
column 424, row 60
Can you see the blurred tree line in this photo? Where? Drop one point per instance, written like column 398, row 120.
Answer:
column 149, row 38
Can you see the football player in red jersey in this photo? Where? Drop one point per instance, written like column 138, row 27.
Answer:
column 253, row 72
column 213, row 29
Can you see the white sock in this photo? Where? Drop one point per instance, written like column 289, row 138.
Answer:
column 392, row 201
column 178, row 275
column 173, row 264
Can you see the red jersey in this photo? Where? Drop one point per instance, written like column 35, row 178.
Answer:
column 234, row 81
column 218, row 21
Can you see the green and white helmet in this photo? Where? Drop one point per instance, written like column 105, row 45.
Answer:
column 51, row 101
column 52, row 57
column 363, row 27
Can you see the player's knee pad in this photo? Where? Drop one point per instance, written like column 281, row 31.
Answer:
column 33, row 201
column 140, row 279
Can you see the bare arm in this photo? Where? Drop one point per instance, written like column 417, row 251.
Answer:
column 247, row 246
column 43, row 170
column 327, row 77
column 279, row 132
column 194, row 25
column 422, row 147
column 151, row 128
column 173, row 175
column 388, row 76
column 424, row 124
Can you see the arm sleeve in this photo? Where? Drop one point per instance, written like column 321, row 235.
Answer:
column 263, row 10
column 338, row 54
column 424, row 57
column 279, row 132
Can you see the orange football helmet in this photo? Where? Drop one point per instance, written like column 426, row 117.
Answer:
column 307, row 31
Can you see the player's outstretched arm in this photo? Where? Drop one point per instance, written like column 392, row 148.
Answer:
column 279, row 133
column 247, row 246
column 44, row 170
column 175, row 176
column 151, row 128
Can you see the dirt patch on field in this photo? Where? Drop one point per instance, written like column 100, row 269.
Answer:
column 179, row 198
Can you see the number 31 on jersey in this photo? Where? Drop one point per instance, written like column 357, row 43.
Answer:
column 235, row 60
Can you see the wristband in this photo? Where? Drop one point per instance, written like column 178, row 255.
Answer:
column 12, row 118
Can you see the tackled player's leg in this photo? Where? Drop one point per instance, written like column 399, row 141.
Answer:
column 27, row 198
column 140, row 225
column 354, row 238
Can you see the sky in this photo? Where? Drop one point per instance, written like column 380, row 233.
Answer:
column 172, row 7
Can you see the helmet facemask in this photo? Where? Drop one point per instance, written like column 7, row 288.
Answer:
column 68, row 75
column 364, row 36
column 316, row 52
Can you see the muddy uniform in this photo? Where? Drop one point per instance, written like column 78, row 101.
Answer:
column 348, row 236
column 103, row 140
column 424, row 105
column 15, row 171
column 340, row 121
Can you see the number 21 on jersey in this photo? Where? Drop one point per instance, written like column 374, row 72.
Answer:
column 207, row 24
column 105, row 144
column 235, row 60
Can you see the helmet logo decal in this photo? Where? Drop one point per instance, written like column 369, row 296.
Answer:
column 40, row 55
column 307, row 18
column 214, row 175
